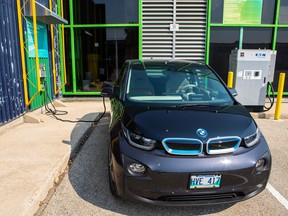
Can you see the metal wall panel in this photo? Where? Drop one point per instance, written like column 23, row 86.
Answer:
column 190, row 39
column 187, row 42
column 157, row 38
column 11, row 83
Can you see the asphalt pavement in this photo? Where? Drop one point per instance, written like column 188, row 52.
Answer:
column 35, row 156
column 85, row 188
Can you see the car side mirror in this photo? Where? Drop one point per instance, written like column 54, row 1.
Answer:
column 233, row 92
column 107, row 90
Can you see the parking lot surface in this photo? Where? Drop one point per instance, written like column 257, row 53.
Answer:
column 85, row 188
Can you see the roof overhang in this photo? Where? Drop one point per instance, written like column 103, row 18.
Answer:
column 43, row 14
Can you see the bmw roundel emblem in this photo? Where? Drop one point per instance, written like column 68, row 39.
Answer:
column 202, row 133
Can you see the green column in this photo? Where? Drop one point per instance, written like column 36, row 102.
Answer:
column 207, row 52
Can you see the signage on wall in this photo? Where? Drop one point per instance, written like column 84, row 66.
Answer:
column 242, row 11
column 42, row 40
column 174, row 27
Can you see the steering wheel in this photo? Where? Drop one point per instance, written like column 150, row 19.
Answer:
column 187, row 89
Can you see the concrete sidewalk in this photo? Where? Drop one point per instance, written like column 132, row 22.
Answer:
column 34, row 155
column 271, row 113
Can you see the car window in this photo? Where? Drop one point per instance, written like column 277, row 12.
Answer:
column 120, row 82
column 175, row 84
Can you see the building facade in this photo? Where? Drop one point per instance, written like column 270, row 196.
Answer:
column 32, row 66
column 101, row 34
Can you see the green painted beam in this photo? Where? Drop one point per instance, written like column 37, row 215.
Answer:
column 140, row 45
column 207, row 48
column 71, row 12
column 72, row 44
column 276, row 18
column 243, row 25
column 241, row 37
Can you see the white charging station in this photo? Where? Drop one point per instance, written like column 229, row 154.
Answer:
column 253, row 69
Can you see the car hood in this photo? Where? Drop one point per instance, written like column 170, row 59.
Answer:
column 159, row 123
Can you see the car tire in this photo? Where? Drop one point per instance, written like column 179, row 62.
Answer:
column 112, row 185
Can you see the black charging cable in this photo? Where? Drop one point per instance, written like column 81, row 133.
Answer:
column 54, row 112
column 271, row 100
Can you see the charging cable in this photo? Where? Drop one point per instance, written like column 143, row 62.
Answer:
column 271, row 100
column 54, row 112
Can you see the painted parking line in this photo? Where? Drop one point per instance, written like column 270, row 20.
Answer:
column 277, row 195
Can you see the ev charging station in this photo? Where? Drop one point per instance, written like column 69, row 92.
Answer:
column 253, row 69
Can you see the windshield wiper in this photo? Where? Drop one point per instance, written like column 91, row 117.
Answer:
column 195, row 105
column 215, row 108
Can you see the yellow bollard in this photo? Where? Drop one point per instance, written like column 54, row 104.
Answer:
column 230, row 79
column 279, row 96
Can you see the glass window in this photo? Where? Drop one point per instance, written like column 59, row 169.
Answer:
column 100, row 53
column 223, row 40
column 105, row 11
column 66, row 11
column 282, row 57
column 217, row 11
column 268, row 12
column 120, row 83
column 163, row 82
column 257, row 38
column 68, row 61
column 283, row 17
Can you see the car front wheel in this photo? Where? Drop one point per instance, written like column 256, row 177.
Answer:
column 112, row 185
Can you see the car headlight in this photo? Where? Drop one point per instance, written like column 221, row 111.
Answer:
column 138, row 141
column 252, row 139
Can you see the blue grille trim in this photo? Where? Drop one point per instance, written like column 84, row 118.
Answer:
column 220, row 140
column 183, row 141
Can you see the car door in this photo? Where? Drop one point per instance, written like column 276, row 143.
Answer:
column 117, row 101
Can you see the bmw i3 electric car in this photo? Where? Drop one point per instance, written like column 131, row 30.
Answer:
column 179, row 137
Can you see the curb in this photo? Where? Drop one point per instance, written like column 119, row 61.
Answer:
column 41, row 197
column 52, row 180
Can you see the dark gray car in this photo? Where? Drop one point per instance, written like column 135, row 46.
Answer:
column 178, row 137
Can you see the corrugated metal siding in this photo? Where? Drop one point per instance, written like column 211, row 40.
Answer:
column 157, row 39
column 11, row 84
column 187, row 43
column 190, row 39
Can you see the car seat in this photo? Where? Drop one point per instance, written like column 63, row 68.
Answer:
column 176, row 82
column 140, row 84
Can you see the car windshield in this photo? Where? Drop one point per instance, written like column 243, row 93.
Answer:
column 175, row 83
